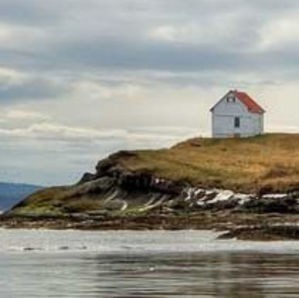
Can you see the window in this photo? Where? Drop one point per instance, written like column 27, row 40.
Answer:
column 237, row 122
column 231, row 98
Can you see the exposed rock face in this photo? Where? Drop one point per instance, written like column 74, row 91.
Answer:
column 200, row 199
column 87, row 177
column 286, row 203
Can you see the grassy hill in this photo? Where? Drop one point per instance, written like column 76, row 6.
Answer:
column 127, row 180
column 269, row 162
column 194, row 185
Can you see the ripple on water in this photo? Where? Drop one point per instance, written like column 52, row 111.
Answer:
column 144, row 264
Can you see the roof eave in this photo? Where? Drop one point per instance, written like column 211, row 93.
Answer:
column 216, row 104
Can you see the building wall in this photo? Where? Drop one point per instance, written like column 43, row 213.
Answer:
column 223, row 120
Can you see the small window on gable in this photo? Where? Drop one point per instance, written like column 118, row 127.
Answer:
column 231, row 98
column 237, row 122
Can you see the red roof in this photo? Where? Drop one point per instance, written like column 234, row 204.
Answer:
column 251, row 104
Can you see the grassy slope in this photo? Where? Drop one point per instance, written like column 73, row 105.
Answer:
column 269, row 162
column 264, row 162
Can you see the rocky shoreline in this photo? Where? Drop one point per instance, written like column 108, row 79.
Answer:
column 239, row 225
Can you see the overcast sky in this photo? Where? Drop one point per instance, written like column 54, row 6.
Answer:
column 80, row 79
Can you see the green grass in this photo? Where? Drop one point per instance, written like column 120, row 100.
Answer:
column 57, row 200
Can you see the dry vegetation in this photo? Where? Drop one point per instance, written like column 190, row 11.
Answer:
column 269, row 162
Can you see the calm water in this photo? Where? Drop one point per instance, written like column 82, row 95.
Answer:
column 144, row 264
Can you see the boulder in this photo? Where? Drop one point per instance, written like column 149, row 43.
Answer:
column 87, row 177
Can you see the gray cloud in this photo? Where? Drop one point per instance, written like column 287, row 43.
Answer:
column 177, row 57
column 207, row 35
column 32, row 89
column 33, row 12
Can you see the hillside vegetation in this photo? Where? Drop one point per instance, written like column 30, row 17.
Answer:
column 135, row 180
column 197, row 184
column 268, row 163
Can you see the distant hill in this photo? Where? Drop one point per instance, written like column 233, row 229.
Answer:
column 12, row 193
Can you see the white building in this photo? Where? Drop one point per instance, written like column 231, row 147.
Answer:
column 237, row 115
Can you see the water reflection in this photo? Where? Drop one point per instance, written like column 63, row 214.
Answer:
column 198, row 275
column 68, row 264
column 163, row 275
